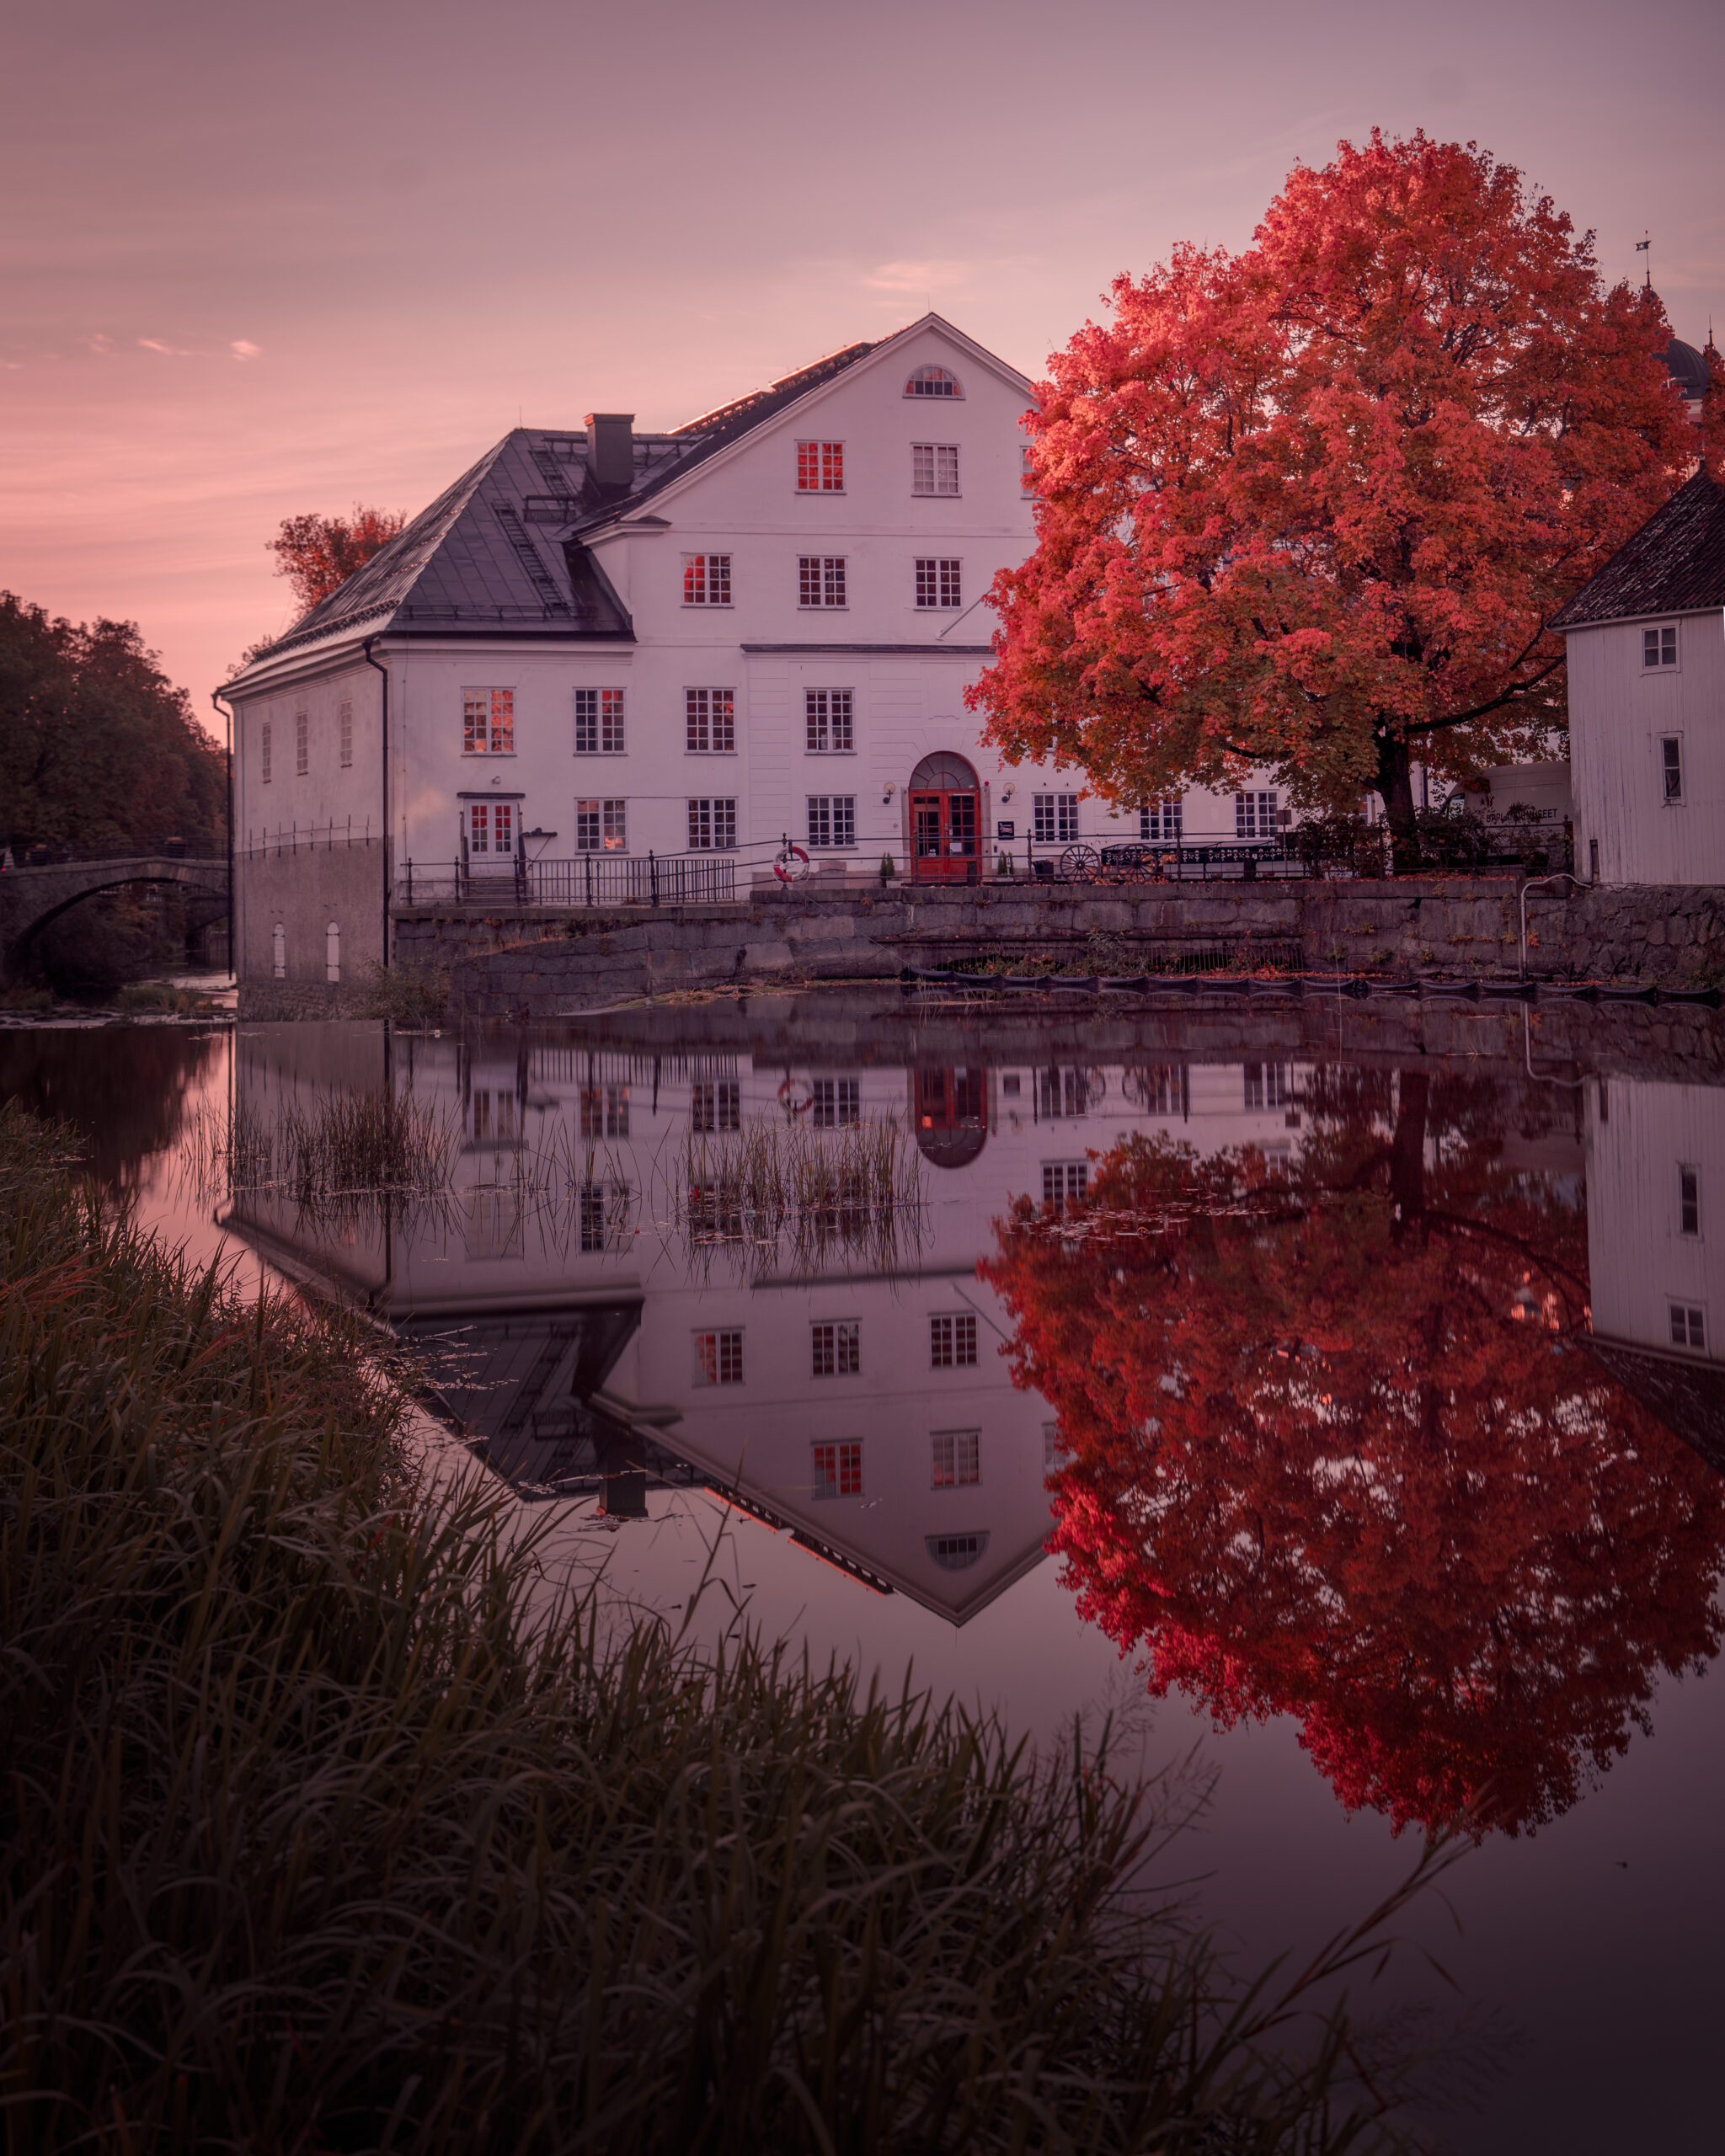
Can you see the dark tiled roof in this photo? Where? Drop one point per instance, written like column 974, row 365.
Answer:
column 1674, row 564
column 502, row 547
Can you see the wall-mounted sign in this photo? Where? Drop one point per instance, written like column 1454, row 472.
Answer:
column 1006, row 831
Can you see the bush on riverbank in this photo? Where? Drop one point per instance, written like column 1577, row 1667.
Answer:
column 320, row 1830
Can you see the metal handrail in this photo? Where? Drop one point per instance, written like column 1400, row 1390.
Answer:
column 1561, row 875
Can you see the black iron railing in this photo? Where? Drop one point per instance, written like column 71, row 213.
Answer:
column 590, row 879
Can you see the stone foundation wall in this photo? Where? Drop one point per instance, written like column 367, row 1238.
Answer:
column 500, row 966
column 267, row 1002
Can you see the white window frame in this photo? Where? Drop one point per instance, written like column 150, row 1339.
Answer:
column 601, row 722
column 302, row 744
column 709, row 722
column 821, row 467
column 827, row 713
column 831, row 1482
column 344, row 727
column 929, row 382
column 933, row 464
column 1693, row 1317
column 831, row 822
column 1256, row 813
column 506, row 813
column 1661, row 635
column 1671, row 769
column 1161, row 822
column 952, row 1343
column 480, row 730
column 707, row 579
column 821, row 584
column 1073, row 1178
column 835, row 1103
column 1053, row 818
column 266, row 745
column 938, row 584
column 712, row 823
column 715, row 1105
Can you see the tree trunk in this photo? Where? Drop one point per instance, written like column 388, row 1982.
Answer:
column 1395, row 788
column 1407, row 1157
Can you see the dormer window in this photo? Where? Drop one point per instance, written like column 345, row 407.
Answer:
column 1659, row 647
column 932, row 382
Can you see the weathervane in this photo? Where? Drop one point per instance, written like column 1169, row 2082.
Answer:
column 1645, row 246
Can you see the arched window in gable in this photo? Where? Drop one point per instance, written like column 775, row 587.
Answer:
column 932, row 382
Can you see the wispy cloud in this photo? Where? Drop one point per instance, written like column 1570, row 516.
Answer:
column 917, row 276
column 242, row 348
column 168, row 351
column 98, row 342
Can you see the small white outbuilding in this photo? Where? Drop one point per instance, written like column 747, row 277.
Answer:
column 1646, row 640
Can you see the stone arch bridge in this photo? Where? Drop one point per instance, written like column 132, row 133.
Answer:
column 30, row 897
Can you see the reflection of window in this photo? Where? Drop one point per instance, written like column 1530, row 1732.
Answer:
column 837, row 1101
column 1054, row 817
column 718, row 1357
column 715, row 1104
column 934, row 467
column 604, row 1214
column 1659, row 647
column 344, row 727
column 332, row 951
column 953, row 1553
column 1688, row 1326
column 488, row 722
column 821, row 467
column 951, row 1342
column 1254, row 815
column 712, row 826
column 1162, row 820
column 834, row 1349
column 605, row 1112
column 494, row 1220
column 827, row 714
column 707, row 579
column 1054, row 1452
column 264, row 741
column 1689, row 1201
column 1267, row 1084
column 1159, row 1088
column 1065, row 1182
column 710, row 722
column 957, row 1462
column 1061, row 1093
column 278, row 950
column 599, row 722
column 838, row 1469
column 494, row 1114
column 301, row 743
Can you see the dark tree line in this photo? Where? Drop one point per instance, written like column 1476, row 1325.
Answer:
column 98, row 748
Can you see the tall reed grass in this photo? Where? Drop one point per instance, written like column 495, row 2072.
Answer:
column 784, row 1193
column 322, row 1828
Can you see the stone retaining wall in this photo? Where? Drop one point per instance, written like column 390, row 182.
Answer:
column 503, row 966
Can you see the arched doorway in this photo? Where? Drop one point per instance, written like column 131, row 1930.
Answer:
column 949, row 1114
column 946, row 821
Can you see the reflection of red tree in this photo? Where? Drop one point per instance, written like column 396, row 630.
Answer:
column 1329, row 1454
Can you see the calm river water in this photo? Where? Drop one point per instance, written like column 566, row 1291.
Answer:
column 1333, row 1392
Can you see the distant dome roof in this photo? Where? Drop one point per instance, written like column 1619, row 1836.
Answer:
column 1686, row 367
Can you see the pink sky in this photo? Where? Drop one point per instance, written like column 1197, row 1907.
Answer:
column 260, row 261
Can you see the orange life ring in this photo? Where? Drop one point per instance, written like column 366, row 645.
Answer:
column 792, row 853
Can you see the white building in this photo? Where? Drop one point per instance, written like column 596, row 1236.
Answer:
column 600, row 644
column 1646, row 640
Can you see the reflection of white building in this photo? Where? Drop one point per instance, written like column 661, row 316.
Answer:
column 865, row 1405
column 1656, row 1247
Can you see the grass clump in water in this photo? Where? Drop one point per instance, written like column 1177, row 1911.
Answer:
column 325, row 1827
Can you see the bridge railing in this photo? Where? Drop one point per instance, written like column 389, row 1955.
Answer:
column 170, row 848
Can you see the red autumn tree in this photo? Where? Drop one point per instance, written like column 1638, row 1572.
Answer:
column 1311, row 506
column 317, row 553
column 1332, row 1452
